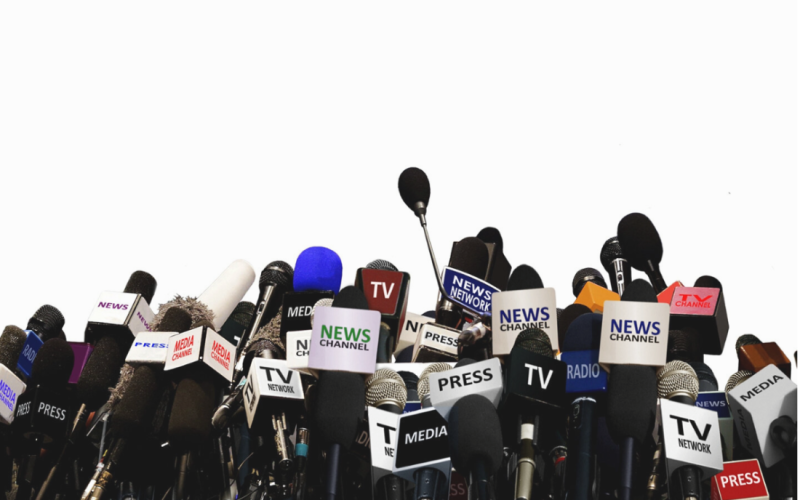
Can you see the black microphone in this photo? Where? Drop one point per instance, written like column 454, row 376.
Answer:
column 274, row 282
column 339, row 409
column 386, row 391
column 632, row 398
column 476, row 443
column 708, row 382
column 48, row 323
column 584, row 276
column 469, row 256
column 615, row 264
column 499, row 269
column 236, row 326
column 567, row 316
column 684, row 345
column 641, row 245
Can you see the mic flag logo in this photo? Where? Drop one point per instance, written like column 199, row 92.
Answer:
column 694, row 301
column 344, row 340
column 149, row 347
column 691, row 437
column 269, row 381
column 29, row 351
column 10, row 389
column 484, row 378
column 468, row 291
column 742, row 480
column 632, row 334
column 382, row 442
column 583, row 372
column 518, row 310
column 422, row 442
column 119, row 312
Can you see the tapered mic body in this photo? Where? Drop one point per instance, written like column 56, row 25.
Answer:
column 641, row 246
column 615, row 264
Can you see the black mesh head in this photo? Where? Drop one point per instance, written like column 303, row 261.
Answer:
column 470, row 256
column 491, row 235
column 134, row 413
column 414, row 189
column 350, row 297
column 684, row 345
column 143, row 284
column 707, row 282
column 708, row 382
column 610, row 252
column 747, row 339
column 11, row 343
column 583, row 333
column 47, row 322
column 632, row 396
column 190, row 418
column 524, row 277
column 639, row 291
column 587, row 275
column 53, row 363
column 175, row 319
column 464, row 362
column 242, row 314
column 535, row 340
column 475, row 435
column 381, row 265
column 339, row 407
column 639, row 240
column 570, row 313
column 277, row 273
column 101, row 372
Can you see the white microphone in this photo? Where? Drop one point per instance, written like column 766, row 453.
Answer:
column 227, row 290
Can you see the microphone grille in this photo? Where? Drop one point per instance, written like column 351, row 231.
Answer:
column 381, row 265
column 683, row 345
column 536, row 341
column 747, row 339
column 276, row 273
column 320, row 303
column 424, row 385
column 677, row 378
column 704, row 373
column 242, row 313
column 737, row 378
column 47, row 322
column 141, row 283
column 610, row 252
column 587, row 275
column 387, row 391
column 414, row 187
column 381, row 374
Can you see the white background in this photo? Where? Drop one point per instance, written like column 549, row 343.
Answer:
column 176, row 137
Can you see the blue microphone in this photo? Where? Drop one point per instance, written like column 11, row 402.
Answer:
column 586, row 384
column 318, row 268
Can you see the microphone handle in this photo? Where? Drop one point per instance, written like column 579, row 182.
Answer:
column 582, row 437
column 179, row 492
column 654, row 275
column 390, row 487
column 689, row 478
column 332, row 459
column 255, row 321
column 429, row 484
column 526, row 464
column 480, row 487
column 622, row 275
column 626, row 456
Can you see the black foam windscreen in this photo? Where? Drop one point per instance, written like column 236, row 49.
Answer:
column 747, row 339
column 470, row 256
column 143, row 284
column 475, row 435
column 491, row 235
column 101, row 372
column 684, row 345
column 464, row 362
column 570, row 314
column 175, row 319
column 11, row 344
column 414, row 187
column 190, row 418
column 277, row 273
column 429, row 314
column 639, row 240
column 708, row 382
column 707, row 282
column 381, row 265
column 47, row 322
column 350, row 297
column 610, row 252
column 134, row 413
column 53, row 363
column 536, row 341
column 524, row 277
column 631, row 404
column 405, row 355
column 339, row 407
column 587, row 275
column 583, row 333
column 639, row 291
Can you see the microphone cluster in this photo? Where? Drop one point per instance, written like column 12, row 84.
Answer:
column 318, row 391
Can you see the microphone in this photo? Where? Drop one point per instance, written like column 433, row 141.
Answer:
column 476, row 443
column 275, row 280
column 224, row 294
column 586, row 385
column 755, row 355
column 386, row 397
column 565, row 319
column 423, row 385
column 615, row 264
column 525, row 305
column 708, row 382
column 236, row 327
column 584, row 276
column 690, row 435
column 756, row 401
column 11, row 387
column 641, row 245
column 48, row 323
column 469, row 259
column 317, row 275
column 631, row 407
column 701, row 308
column 467, row 377
column 124, row 314
column 684, row 345
column 386, row 290
column 742, row 480
column 411, row 380
column 499, row 269
column 535, row 388
column 339, row 409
